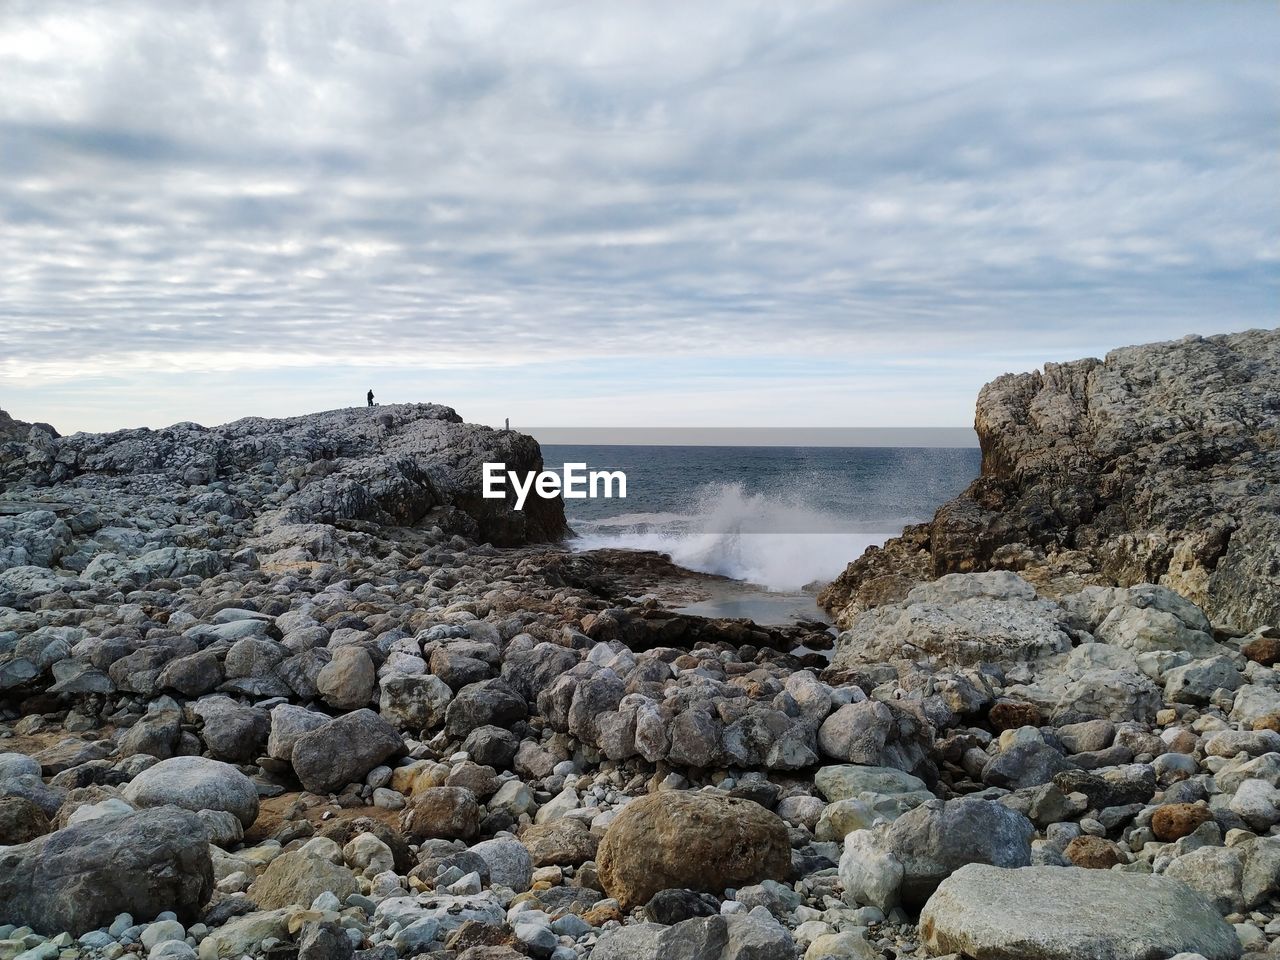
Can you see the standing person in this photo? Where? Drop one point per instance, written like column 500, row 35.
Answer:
column 508, row 426
column 371, row 398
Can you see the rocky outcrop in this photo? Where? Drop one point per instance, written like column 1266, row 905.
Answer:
column 404, row 465
column 1159, row 464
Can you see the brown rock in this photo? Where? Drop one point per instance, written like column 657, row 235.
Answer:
column 1094, row 853
column 297, row 877
column 21, row 820
column 1270, row 722
column 560, row 843
column 1012, row 714
column 441, row 813
column 1174, row 821
column 694, row 841
column 1263, row 649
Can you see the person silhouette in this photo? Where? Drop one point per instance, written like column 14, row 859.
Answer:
column 371, row 398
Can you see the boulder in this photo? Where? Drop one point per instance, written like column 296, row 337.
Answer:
column 81, row 877
column 342, row 751
column 21, row 820
column 346, row 681
column 195, row 783
column 937, row 838
column 695, row 841
column 441, row 813
column 298, row 877
column 1065, row 913
column 738, row 937
column 879, row 734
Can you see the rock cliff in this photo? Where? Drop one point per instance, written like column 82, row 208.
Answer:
column 1158, row 464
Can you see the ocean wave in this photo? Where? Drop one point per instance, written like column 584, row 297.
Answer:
column 776, row 542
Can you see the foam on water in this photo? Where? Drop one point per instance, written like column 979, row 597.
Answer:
column 774, row 541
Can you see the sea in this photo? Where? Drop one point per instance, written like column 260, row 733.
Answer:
column 784, row 519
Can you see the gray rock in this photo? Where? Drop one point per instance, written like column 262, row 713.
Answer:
column 344, row 750
column 509, row 862
column 1151, row 464
column 937, row 838
column 82, row 876
column 880, row 734
column 195, row 783
column 1065, row 913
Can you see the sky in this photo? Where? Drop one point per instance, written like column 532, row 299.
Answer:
column 712, row 214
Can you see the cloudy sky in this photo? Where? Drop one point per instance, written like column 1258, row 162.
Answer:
column 595, row 213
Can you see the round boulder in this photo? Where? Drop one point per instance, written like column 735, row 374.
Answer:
column 195, row 783
column 692, row 841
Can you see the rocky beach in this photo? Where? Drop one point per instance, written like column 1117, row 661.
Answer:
column 294, row 689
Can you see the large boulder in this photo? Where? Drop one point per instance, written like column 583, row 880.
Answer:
column 195, row 783
column 696, row 841
column 81, row 877
column 343, row 751
column 939, row 837
column 1065, row 913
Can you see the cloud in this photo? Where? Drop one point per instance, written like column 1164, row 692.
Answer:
column 328, row 186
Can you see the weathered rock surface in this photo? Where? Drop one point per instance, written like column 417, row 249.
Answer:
column 1157, row 464
column 1060, row 913
column 697, row 841
column 82, row 876
column 195, row 783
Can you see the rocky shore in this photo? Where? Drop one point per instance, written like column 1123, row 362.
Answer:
column 292, row 689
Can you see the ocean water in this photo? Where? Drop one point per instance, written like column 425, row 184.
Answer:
column 778, row 517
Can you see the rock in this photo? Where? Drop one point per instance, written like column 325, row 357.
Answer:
column 21, row 820
column 850, row 782
column 324, row 941
column 1057, row 913
column 509, row 860
column 233, row 732
column 1094, row 853
column 298, row 877
column 346, row 681
column 562, row 843
column 444, row 813
column 958, row 620
column 344, row 750
column 669, row 907
column 740, row 937
column 696, row 841
column 937, row 838
column 841, row 946
column 195, row 783
column 242, row 935
column 870, row 874
column 288, row 724
column 1215, row 872
column 1149, row 465
column 415, row 702
column 879, row 734
column 82, row 876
